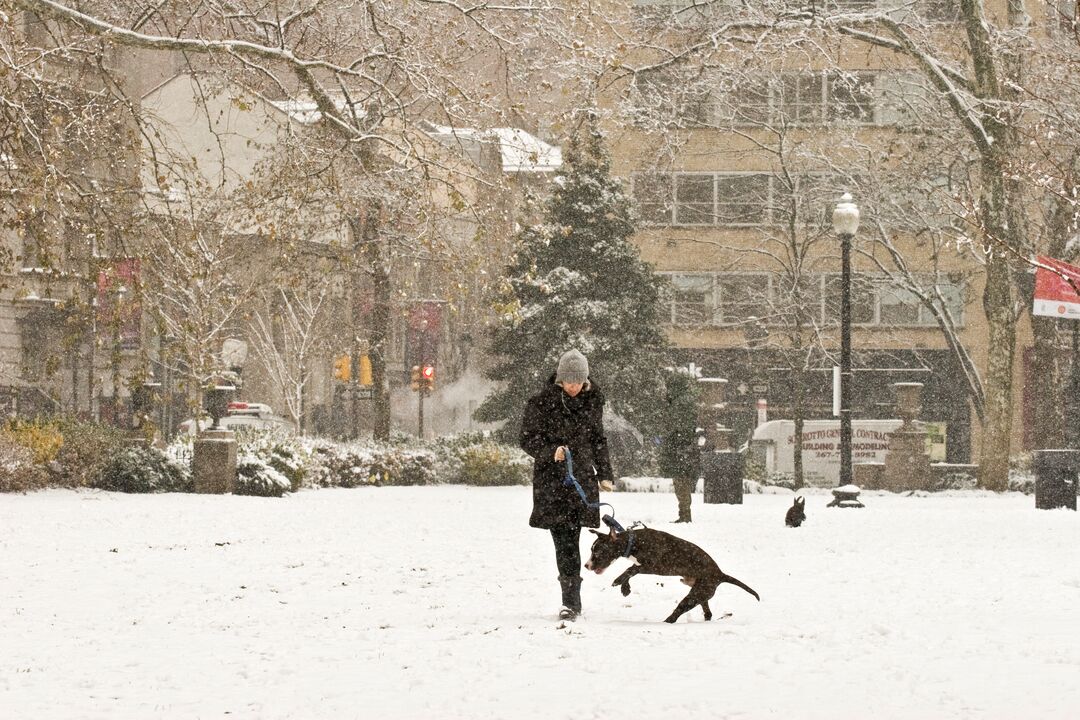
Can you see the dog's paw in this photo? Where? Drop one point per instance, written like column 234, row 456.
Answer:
column 626, row 589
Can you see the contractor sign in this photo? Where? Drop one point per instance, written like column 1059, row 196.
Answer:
column 1056, row 285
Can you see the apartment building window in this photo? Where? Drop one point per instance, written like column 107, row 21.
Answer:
column 668, row 96
column 695, row 197
column 851, row 96
column 1062, row 14
column 876, row 300
column 863, row 299
column 35, row 245
column 897, row 306
column 732, row 199
column 741, row 296
column 808, row 98
column 697, row 299
column 748, row 104
column 692, row 298
column 654, row 197
column 852, row 5
column 802, row 98
column 742, row 199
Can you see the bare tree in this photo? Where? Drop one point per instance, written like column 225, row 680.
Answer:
column 993, row 97
column 287, row 333
column 370, row 71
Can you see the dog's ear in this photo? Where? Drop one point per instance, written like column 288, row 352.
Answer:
column 612, row 534
column 596, row 532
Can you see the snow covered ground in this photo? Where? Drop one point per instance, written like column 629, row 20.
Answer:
column 440, row 603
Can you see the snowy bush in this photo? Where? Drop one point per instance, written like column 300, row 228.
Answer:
column 778, row 479
column 489, row 464
column 1021, row 474
column 256, row 476
column 952, row 480
column 42, row 437
column 1021, row 482
column 357, row 465
column 144, row 470
column 318, row 455
column 403, row 466
column 276, row 449
column 476, row 459
column 348, row 467
column 18, row 471
column 85, row 451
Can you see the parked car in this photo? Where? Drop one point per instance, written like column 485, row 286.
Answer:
column 243, row 414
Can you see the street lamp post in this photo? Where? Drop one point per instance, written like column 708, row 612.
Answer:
column 1072, row 407
column 845, row 220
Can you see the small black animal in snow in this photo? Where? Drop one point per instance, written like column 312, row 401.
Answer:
column 796, row 514
column 655, row 552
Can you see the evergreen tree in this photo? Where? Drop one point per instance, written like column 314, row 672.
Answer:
column 577, row 281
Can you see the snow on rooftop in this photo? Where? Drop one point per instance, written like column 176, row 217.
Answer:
column 306, row 112
column 520, row 150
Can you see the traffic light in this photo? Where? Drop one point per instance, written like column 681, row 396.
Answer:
column 427, row 378
column 414, row 378
column 342, row 368
column 365, row 370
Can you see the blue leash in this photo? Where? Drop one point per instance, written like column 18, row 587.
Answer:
column 609, row 520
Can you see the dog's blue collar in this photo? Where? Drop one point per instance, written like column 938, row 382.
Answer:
column 629, row 544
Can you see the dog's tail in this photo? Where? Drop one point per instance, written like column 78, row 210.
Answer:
column 740, row 583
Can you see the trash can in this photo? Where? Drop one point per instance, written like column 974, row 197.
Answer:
column 1056, row 473
column 723, row 475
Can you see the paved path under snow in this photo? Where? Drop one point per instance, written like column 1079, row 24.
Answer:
column 440, row 603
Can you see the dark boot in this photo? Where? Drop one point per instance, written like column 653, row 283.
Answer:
column 571, row 597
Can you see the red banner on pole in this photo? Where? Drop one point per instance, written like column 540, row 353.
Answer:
column 117, row 302
column 1056, row 285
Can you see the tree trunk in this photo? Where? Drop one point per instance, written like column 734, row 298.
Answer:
column 379, row 330
column 998, row 305
column 1048, row 420
column 799, row 413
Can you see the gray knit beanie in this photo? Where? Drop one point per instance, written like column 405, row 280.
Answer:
column 573, row 368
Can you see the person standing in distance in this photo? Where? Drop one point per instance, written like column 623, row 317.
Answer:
column 567, row 414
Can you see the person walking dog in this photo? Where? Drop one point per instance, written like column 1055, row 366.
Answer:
column 567, row 414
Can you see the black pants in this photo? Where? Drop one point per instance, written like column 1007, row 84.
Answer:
column 567, row 550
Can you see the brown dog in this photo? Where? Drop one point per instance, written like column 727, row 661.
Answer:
column 655, row 552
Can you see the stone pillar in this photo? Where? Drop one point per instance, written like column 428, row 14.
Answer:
column 907, row 464
column 213, row 464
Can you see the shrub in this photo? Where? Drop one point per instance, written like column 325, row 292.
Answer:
column 274, row 448
column 1021, row 482
column 489, row 464
column 42, row 437
column 403, row 466
column 349, row 467
column 18, row 471
column 356, row 465
column 778, row 479
column 85, row 451
column 144, row 470
column 956, row 480
column 318, row 457
column 255, row 476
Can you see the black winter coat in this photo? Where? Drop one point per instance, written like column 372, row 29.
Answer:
column 553, row 418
